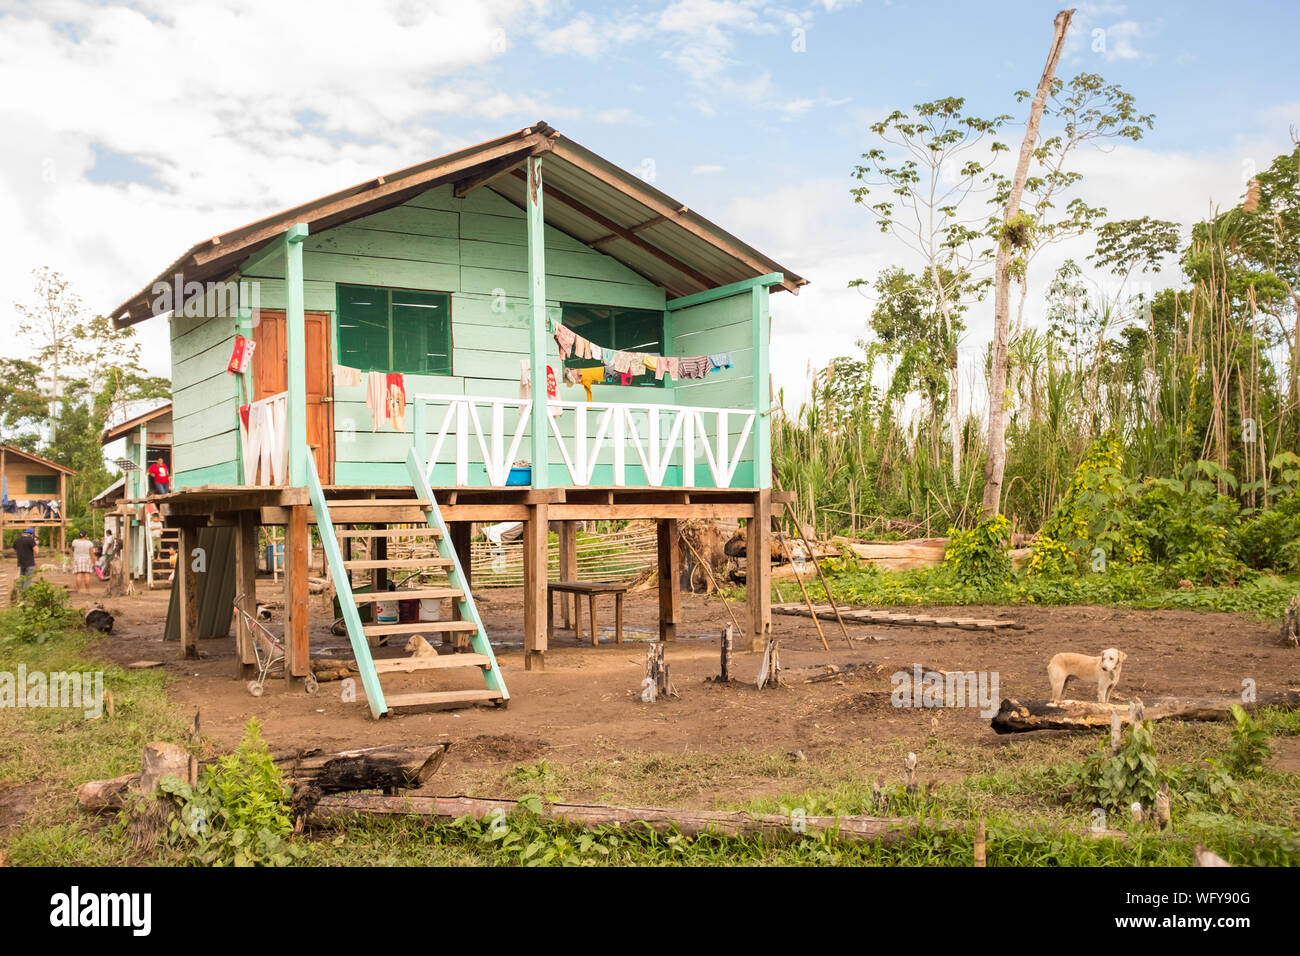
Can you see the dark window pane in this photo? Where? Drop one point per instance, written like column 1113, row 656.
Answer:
column 395, row 330
column 631, row 330
column 42, row 485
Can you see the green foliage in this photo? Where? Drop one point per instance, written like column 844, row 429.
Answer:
column 1115, row 781
column 43, row 611
column 238, row 814
column 978, row 557
column 1249, row 746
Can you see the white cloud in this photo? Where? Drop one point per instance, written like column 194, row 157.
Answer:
column 707, row 168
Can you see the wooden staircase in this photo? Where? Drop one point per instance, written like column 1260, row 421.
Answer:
column 338, row 518
column 160, row 561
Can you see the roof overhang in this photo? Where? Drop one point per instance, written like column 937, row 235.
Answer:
column 131, row 424
column 605, row 207
column 12, row 450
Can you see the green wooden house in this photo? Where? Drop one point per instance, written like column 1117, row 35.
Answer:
column 393, row 321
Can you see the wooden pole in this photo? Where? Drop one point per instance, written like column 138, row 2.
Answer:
column 535, row 528
column 540, row 433
column 297, row 647
column 63, row 511
column 568, row 569
column 246, row 585
column 188, row 580
column 295, row 347
column 807, row 600
column 758, row 570
column 822, row 577
column 670, row 572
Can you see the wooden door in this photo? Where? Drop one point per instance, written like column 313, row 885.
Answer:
column 271, row 376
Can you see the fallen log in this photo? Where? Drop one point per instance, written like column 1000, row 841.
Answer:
column 738, row 823
column 375, row 768
column 1015, row 716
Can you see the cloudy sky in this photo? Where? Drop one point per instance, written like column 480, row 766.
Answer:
column 133, row 130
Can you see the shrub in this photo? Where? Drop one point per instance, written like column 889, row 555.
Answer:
column 43, row 610
column 238, row 814
column 978, row 557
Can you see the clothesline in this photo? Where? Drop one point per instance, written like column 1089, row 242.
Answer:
column 626, row 364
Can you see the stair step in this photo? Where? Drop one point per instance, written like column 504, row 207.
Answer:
column 407, row 665
column 421, row 532
column 407, row 594
column 441, row 697
column 378, row 503
column 421, row 627
column 363, row 563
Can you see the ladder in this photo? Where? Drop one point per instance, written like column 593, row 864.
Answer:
column 162, row 561
column 337, row 518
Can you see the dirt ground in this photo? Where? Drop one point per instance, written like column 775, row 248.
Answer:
column 586, row 703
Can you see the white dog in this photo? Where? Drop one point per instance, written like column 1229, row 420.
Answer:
column 1104, row 670
column 419, row 647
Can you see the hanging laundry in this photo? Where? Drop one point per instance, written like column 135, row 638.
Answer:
column 581, row 347
column 625, row 378
column 637, row 366
column 573, row 376
column 719, row 360
column 696, row 366
column 377, row 398
column 667, row 366
column 651, row 362
column 596, row 352
column 524, row 390
column 552, row 386
column 397, row 401
column 564, row 338
column 347, row 376
column 588, row 377
column 622, row 361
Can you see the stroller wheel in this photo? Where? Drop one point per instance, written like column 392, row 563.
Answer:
column 255, row 688
column 310, row 685
column 339, row 628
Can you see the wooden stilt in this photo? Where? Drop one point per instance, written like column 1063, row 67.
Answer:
column 188, row 580
column 246, row 585
column 461, row 540
column 297, row 633
column 378, row 577
column 568, row 568
column 670, row 572
column 758, row 570
column 535, row 528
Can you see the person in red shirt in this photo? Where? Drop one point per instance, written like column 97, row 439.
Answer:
column 160, row 479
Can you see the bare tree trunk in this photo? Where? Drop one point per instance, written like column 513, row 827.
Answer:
column 997, row 450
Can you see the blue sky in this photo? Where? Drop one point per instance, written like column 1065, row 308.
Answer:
column 135, row 130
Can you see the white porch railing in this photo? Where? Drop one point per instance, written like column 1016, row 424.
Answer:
column 264, row 441
column 620, row 435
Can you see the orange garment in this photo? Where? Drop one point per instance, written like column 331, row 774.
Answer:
column 590, row 377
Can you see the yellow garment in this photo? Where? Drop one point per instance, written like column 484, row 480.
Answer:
column 592, row 376
column 651, row 361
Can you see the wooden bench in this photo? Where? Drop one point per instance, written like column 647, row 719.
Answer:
column 590, row 589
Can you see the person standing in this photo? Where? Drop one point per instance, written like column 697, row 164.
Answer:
column 26, row 548
column 160, row 479
column 106, row 554
column 83, row 561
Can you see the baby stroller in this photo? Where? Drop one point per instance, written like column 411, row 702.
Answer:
column 268, row 650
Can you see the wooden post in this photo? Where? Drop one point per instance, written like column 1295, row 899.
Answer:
column 124, row 551
column 728, row 641
column 63, row 511
column 541, row 429
column 188, row 580
column 245, row 584
column 758, row 570
column 295, row 348
column 297, row 634
column 568, row 568
column 670, row 571
column 535, row 586
column 460, row 533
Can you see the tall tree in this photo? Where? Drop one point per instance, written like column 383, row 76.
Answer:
column 50, row 323
column 1013, row 239
column 927, row 169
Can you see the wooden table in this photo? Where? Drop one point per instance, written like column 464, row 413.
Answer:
column 590, row 589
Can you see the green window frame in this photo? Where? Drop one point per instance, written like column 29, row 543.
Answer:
column 381, row 329
column 42, row 484
column 629, row 330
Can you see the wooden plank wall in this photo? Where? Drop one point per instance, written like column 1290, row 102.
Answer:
column 205, row 401
column 724, row 325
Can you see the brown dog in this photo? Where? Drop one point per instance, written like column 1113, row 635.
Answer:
column 1104, row 670
column 419, row 647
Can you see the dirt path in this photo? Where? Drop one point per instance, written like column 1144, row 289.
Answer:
column 586, row 704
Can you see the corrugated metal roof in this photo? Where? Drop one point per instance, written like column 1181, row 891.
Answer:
column 586, row 197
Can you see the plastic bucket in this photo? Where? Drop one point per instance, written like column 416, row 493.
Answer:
column 430, row 609
column 408, row 610
column 386, row 612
